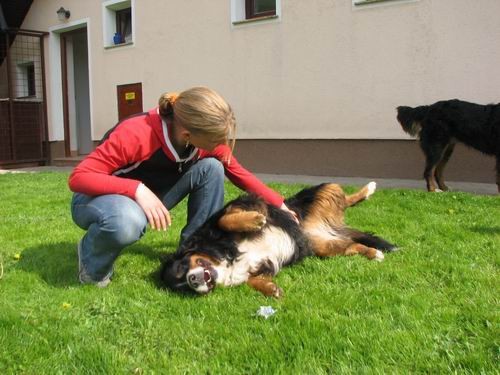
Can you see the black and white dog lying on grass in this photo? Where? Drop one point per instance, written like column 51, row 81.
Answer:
column 249, row 241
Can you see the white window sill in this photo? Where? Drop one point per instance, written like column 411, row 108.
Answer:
column 257, row 19
column 111, row 46
column 362, row 3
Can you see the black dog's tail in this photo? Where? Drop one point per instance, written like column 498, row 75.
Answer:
column 371, row 240
column 411, row 118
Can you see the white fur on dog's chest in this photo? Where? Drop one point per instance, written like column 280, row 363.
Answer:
column 274, row 246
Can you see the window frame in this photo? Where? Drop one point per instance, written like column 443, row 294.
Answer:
column 111, row 10
column 239, row 19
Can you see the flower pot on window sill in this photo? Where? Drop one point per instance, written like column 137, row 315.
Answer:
column 117, row 38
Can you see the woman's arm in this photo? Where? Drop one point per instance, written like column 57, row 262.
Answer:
column 124, row 147
column 245, row 180
column 129, row 144
column 241, row 177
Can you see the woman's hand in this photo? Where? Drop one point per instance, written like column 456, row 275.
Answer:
column 157, row 214
column 293, row 213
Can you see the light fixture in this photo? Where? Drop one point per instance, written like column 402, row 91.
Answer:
column 63, row 14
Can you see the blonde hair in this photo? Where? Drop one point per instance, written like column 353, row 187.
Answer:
column 201, row 111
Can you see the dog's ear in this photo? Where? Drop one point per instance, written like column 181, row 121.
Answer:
column 173, row 272
column 176, row 264
column 166, row 265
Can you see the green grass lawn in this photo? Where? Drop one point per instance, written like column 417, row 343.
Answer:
column 430, row 308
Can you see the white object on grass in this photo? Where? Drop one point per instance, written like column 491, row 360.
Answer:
column 266, row 311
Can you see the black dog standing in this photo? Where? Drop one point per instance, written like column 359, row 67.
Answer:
column 439, row 126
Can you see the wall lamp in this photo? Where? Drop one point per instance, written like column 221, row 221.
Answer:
column 63, row 14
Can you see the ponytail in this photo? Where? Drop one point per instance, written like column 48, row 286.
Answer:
column 166, row 103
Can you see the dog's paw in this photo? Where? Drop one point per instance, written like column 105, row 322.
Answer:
column 277, row 292
column 371, row 187
column 379, row 256
column 255, row 221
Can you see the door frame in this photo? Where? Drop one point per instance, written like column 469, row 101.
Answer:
column 59, row 109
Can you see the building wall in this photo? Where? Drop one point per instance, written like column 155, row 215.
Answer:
column 358, row 158
column 323, row 70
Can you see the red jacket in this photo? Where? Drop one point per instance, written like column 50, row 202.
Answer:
column 139, row 150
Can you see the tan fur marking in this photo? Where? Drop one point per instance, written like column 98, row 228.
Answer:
column 431, row 184
column 357, row 197
column 193, row 260
column 237, row 220
column 415, row 128
column 329, row 248
column 265, row 285
column 328, row 210
column 360, row 249
column 439, row 177
column 328, row 207
column 342, row 247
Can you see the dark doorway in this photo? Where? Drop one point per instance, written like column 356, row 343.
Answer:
column 76, row 94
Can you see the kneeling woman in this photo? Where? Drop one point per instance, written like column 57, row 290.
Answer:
column 147, row 164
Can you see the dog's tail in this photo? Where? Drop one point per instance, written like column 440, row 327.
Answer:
column 411, row 118
column 370, row 240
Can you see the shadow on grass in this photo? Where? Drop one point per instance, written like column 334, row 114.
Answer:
column 155, row 279
column 486, row 230
column 57, row 263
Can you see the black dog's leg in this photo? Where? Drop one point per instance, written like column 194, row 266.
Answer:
column 432, row 157
column 433, row 143
column 442, row 163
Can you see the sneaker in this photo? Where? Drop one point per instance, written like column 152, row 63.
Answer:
column 84, row 277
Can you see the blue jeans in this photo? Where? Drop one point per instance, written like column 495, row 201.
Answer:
column 115, row 221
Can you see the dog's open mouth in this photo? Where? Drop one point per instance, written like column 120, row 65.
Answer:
column 207, row 276
column 204, row 280
column 210, row 275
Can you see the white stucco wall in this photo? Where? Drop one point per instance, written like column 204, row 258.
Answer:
column 323, row 70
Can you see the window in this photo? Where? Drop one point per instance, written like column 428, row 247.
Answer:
column 25, row 83
column 124, row 24
column 255, row 11
column 118, row 22
column 30, row 79
column 260, row 8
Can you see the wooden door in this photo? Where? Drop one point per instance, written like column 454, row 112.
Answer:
column 129, row 99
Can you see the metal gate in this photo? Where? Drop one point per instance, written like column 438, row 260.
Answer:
column 23, row 109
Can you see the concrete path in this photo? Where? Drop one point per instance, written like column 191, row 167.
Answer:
column 470, row 187
column 390, row 183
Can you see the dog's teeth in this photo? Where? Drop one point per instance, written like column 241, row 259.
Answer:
column 208, row 276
